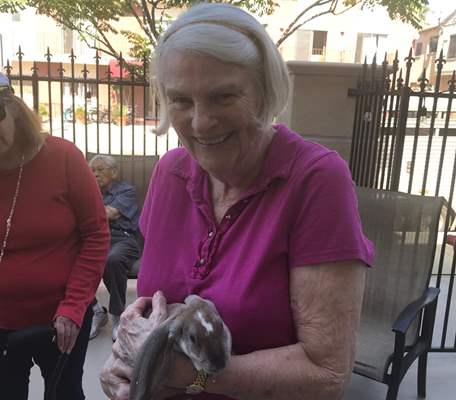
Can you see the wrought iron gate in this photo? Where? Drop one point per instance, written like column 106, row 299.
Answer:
column 404, row 138
column 102, row 108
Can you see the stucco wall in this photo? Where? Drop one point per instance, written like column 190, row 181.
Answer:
column 320, row 108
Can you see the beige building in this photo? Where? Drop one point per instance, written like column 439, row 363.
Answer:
column 447, row 43
column 427, row 46
column 348, row 38
column 425, row 53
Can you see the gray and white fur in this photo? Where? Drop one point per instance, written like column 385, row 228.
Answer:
column 195, row 329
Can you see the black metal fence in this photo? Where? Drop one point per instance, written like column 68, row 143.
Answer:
column 101, row 108
column 404, row 138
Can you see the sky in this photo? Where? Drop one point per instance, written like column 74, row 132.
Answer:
column 439, row 9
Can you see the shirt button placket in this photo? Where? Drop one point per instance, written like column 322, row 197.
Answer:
column 201, row 264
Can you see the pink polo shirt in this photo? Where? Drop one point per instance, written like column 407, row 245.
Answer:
column 301, row 210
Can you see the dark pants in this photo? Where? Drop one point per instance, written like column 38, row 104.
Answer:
column 124, row 251
column 15, row 372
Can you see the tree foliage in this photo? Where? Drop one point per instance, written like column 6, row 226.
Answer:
column 96, row 20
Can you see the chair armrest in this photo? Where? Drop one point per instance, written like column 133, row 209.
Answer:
column 409, row 314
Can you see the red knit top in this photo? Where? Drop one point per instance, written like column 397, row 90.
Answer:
column 59, row 238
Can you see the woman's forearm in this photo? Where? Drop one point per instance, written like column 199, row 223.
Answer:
column 285, row 372
column 326, row 306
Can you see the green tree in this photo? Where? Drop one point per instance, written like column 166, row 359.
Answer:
column 95, row 20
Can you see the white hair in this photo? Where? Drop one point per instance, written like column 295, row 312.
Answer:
column 108, row 160
column 231, row 35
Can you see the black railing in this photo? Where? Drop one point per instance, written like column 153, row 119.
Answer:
column 107, row 109
column 404, row 138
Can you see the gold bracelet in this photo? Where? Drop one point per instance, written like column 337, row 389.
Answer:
column 199, row 383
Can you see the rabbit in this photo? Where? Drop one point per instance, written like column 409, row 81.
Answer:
column 195, row 329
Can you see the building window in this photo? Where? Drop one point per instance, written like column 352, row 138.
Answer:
column 418, row 49
column 433, row 44
column 303, row 49
column 67, row 40
column 319, row 42
column 368, row 45
column 452, row 47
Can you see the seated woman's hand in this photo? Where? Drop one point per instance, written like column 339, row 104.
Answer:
column 134, row 328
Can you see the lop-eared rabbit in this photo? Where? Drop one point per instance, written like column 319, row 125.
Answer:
column 195, row 329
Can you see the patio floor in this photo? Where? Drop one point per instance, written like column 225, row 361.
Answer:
column 441, row 371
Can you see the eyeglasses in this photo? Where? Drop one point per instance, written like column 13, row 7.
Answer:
column 100, row 169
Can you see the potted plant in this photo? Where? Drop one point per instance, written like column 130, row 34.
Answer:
column 79, row 113
column 43, row 112
column 117, row 117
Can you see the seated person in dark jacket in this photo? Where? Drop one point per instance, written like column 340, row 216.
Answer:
column 123, row 213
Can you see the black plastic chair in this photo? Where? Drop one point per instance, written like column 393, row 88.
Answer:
column 36, row 336
column 398, row 312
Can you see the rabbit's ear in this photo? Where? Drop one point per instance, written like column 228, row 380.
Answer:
column 191, row 298
column 153, row 363
column 195, row 298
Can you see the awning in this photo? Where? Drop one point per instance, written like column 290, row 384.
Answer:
column 114, row 67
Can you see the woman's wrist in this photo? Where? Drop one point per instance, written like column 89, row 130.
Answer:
column 224, row 383
column 183, row 373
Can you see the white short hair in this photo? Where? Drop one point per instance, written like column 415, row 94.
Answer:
column 109, row 161
column 231, row 35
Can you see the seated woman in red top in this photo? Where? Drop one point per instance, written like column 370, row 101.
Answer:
column 249, row 215
column 54, row 240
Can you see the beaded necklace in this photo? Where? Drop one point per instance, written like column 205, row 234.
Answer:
column 9, row 219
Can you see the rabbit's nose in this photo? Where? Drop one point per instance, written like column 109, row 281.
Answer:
column 217, row 363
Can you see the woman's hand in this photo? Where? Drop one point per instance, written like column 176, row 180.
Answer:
column 67, row 333
column 134, row 328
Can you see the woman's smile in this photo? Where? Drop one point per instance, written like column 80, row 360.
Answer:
column 213, row 141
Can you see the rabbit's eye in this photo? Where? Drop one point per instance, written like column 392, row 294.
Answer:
column 192, row 338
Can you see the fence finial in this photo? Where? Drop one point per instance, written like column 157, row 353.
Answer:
column 423, row 81
column 72, row 56
column 8, row 68
column 410, row 54
column 20, row 54
column 48, row 55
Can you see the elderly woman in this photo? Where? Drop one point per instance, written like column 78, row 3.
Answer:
column 54, row 239
column 249, row 215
